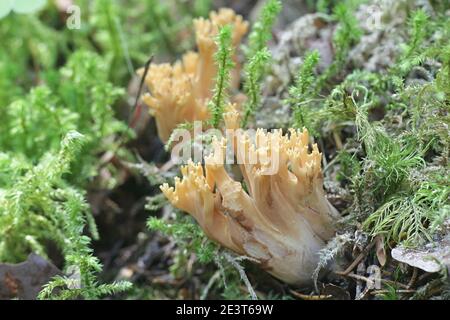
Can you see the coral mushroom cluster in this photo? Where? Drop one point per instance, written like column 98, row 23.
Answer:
column 180, row 92
column 281, row 219
column 279, row 216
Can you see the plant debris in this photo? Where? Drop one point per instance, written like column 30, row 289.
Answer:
column 26, row 279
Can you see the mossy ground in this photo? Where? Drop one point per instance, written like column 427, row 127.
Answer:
column 79, row 180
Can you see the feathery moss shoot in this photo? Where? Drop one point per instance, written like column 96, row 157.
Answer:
column 262, row 28
column 225, row 64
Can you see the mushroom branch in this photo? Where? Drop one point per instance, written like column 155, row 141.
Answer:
column 281, row 219
column 180, row 92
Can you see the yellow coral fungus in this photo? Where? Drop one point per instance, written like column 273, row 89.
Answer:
column 282, row 219
column 180, row 92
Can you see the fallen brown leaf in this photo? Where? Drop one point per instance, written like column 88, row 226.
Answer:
column 25, row 280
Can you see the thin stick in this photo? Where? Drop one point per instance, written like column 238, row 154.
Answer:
column 212, row 280
column 133, row 117
column 413, row 278
column 359, row 258
column 310, row 297
column 367, row 280
column 244, row 277
column 377, row 292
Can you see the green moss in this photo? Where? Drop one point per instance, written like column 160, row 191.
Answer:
column 224, row 61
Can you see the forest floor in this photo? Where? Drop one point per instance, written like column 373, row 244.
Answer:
column 388, row 57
